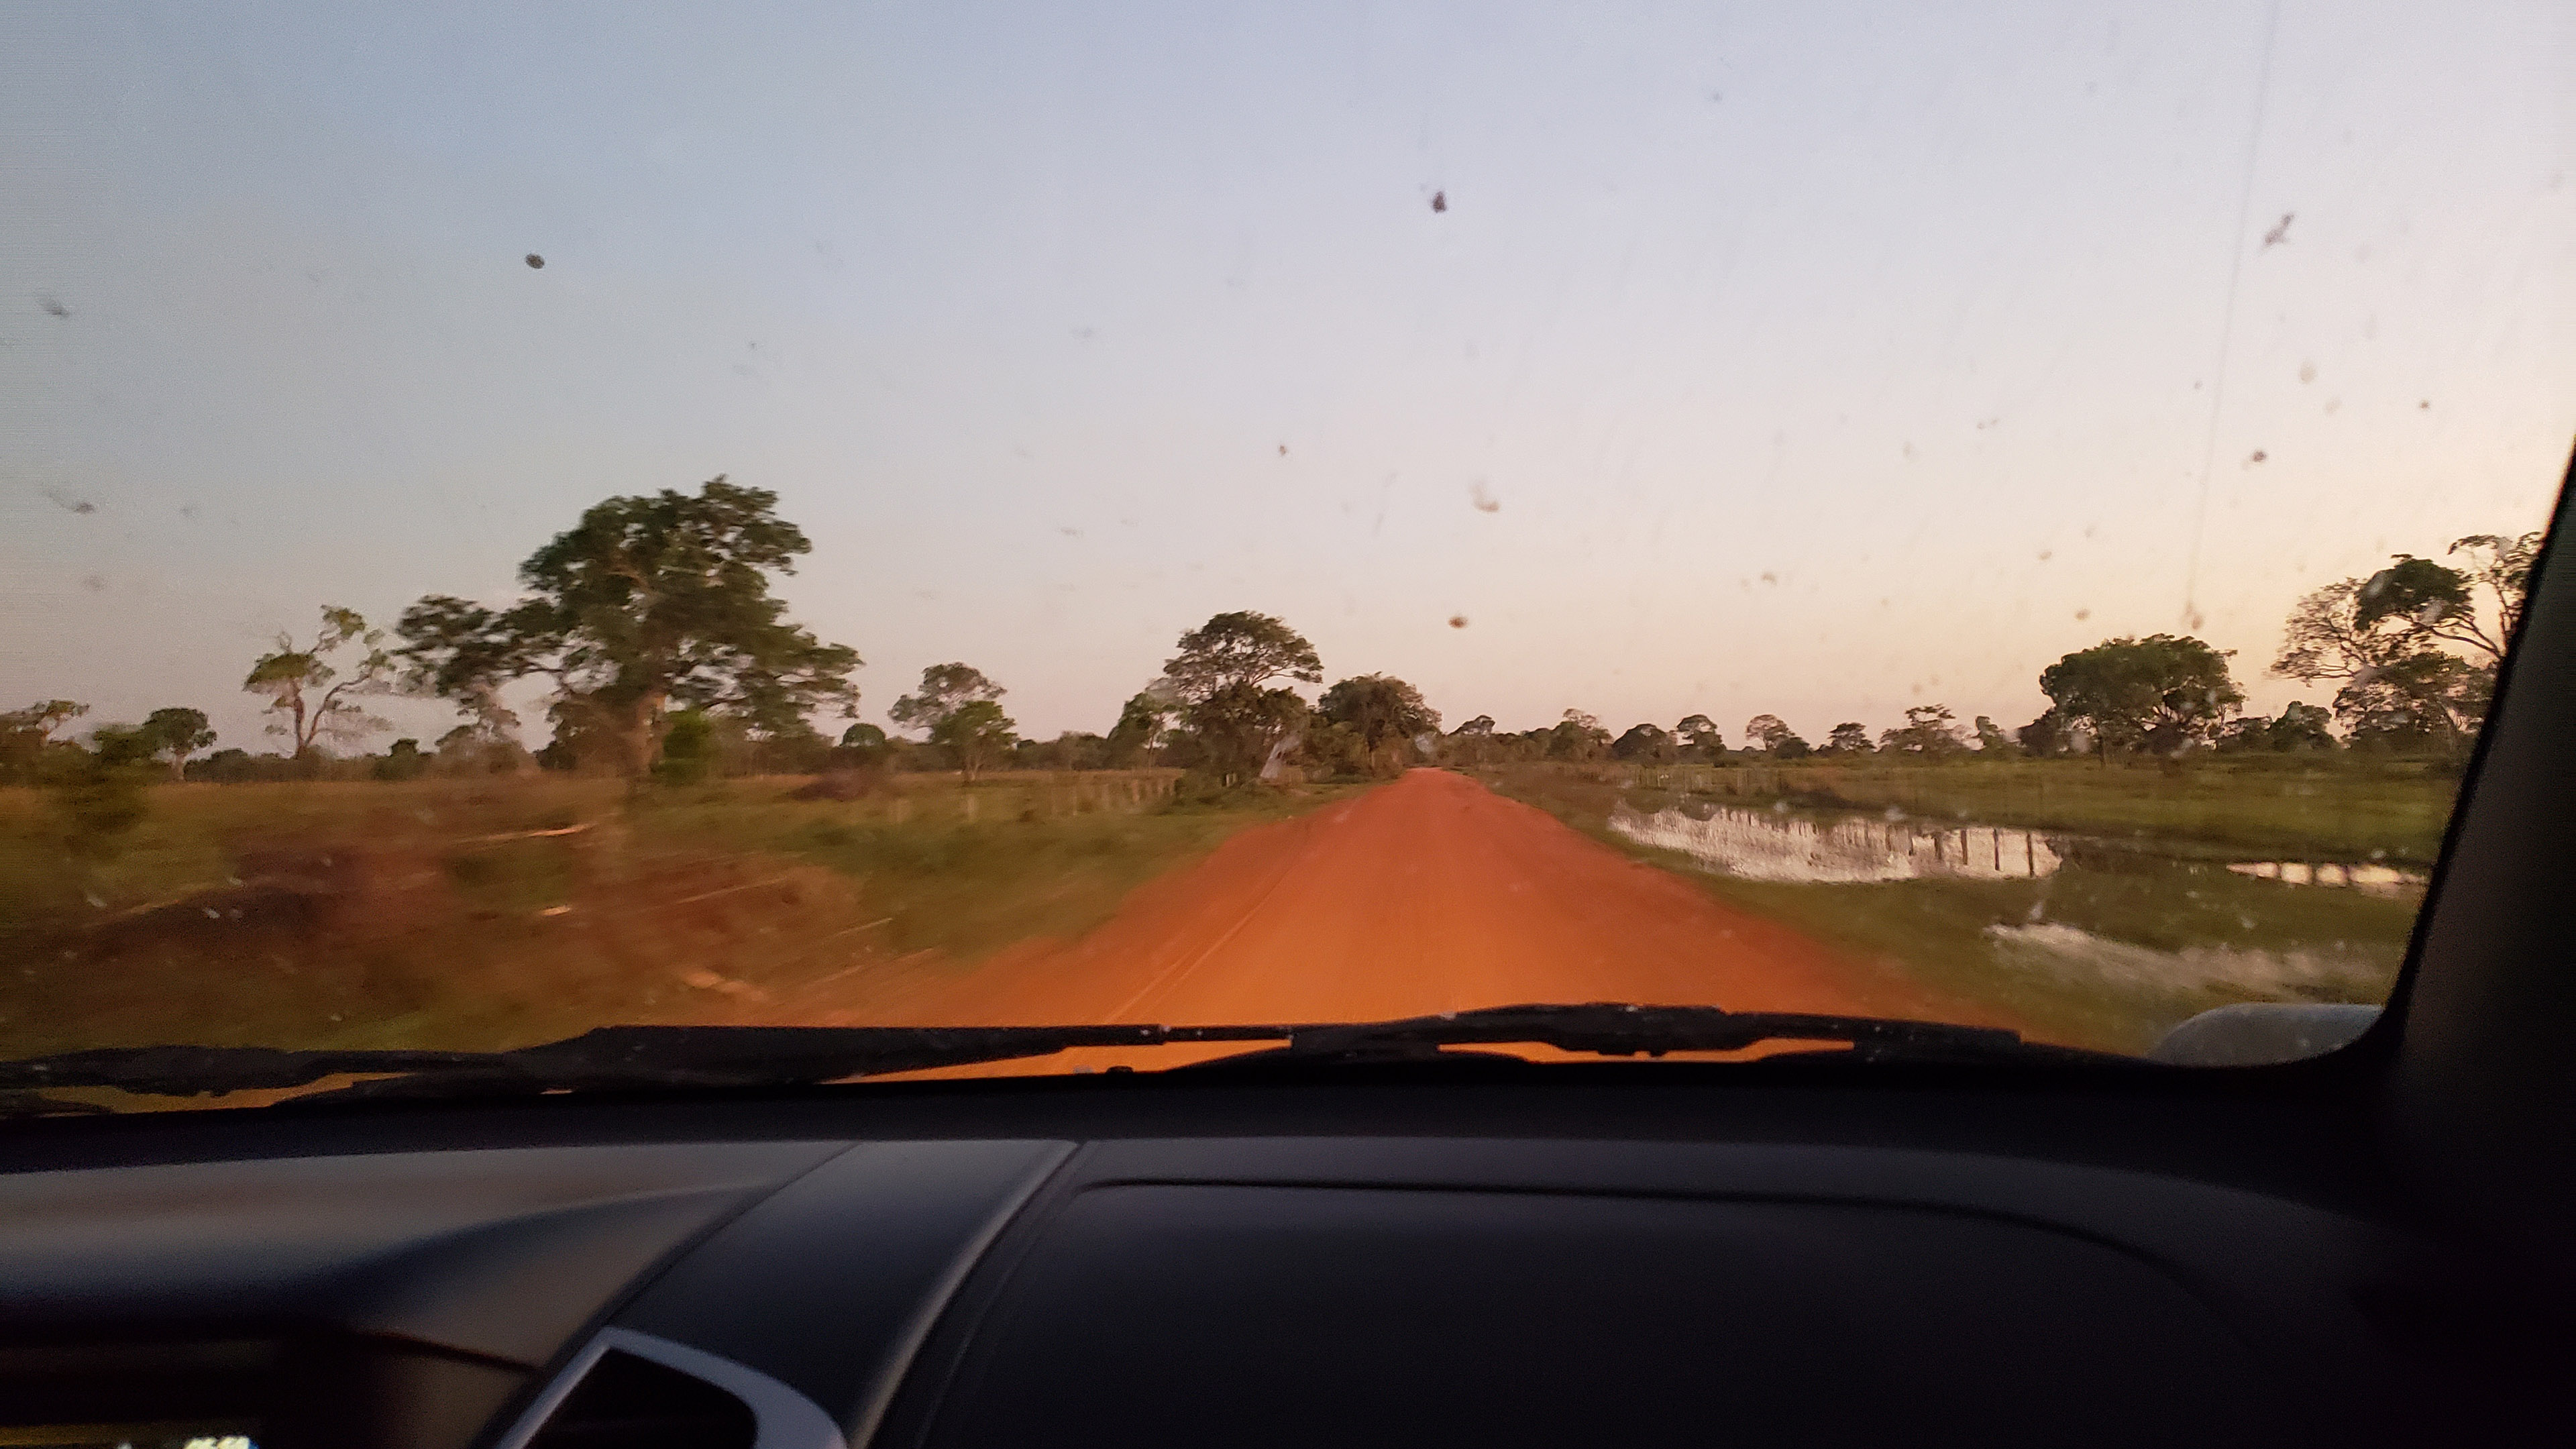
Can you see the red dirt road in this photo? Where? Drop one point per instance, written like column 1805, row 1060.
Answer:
column 1429, row 894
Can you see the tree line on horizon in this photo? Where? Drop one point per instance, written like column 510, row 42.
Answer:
column 669, row 658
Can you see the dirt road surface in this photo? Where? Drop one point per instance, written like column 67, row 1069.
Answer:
column 1425, row 895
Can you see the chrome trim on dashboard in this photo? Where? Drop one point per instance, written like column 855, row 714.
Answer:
column 787, row 1419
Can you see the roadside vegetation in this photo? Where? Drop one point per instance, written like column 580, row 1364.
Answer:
column 2141, row 925
column 2351, row 806
column 485, row 913
column 707, row 830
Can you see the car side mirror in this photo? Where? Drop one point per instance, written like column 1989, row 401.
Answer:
column 2261, row 1033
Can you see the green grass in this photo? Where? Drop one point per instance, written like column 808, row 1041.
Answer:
column 1049, row 856
column 434, row 913
column 2167, row 893
column 2293, row 806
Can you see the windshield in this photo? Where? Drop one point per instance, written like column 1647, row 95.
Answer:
column 1020, row 515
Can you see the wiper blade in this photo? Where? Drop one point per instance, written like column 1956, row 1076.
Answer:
column 607, row 1058
column 1620, row 1029
column 614, row 1058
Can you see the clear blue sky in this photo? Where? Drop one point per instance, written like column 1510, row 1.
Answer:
column 1822, row 359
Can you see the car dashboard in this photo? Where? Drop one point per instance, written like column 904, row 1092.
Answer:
column 2153, row 1258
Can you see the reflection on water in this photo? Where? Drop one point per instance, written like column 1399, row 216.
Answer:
column 2319, row 972
column 2377, row 880
column 1770, row 845
column 1776, row 845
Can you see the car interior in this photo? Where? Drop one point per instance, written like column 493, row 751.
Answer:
column 1182, row 1059
column 2372, row 1245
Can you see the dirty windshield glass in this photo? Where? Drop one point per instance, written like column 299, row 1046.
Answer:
column 523, row 520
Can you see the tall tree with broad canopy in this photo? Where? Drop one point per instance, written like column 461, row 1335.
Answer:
column 1380, row 707
column 945, row 688
column 2046, row 736
column 44, row 717
column 1772, row 735
column 315, row 698
column 1699, row 734
column 1472, row 743
column 1142, row 723
column 957, row 709
column 2157, row 693
column 2417, row 644
column 27, row 738
column 1929, row 731
column 1851, row 737
column 175, row 734
column 1241, row 648
column 1644, row 744
column 1222, row 680
column 2426, row 701
column 1577, row 736
column 975, row 734
column 650, row 603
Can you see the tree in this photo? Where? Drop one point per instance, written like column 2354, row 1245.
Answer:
column 44, row 717
column 403, row 761
column 1381, row 710
column 99, row 791
column 1990, row 737
column 465, row 653
column 1699, row 735
column 469, row 749
column 2300, row 727
column 176, row 734
column 1222, row 680
column 650, row 603
column 1142, row 722
column 1241, row 726
column 1069, row 750
column 1577, row 736
column 2158, row 693
column 1644, row 744
column 1771, row 735
column 2424, row 601
column 2427, row 701
column 27, row 738
column 975, row 733
column 1472, row 743
column 866, row 744
column 688, row 748
column 1240, row 649
column 2326, row 639
column 2432, row 601
column 2503, row 566
column 1851, row 737
column 956, row 709
column 944, row 689
column 315, row 697
column 2388, row 635
column 2046, row 736
column 1930, row 731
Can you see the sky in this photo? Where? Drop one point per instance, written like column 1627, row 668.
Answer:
column 1820, row 360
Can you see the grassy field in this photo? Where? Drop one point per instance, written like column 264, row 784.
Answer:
column 496, row 912
column 2142, row 926
column 2231, row 807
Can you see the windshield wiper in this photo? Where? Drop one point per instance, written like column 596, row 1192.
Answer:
column 605, row 1059
column 1619, row 1029
column 618, row 1058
